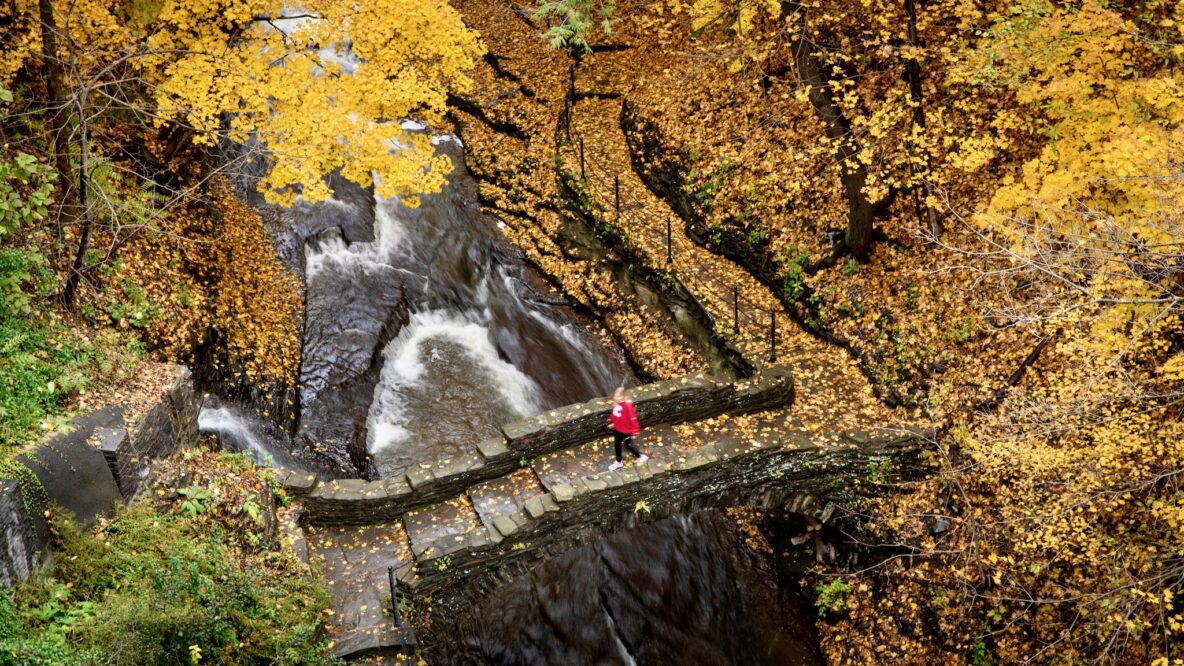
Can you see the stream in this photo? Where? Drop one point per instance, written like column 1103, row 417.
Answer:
column 424, row 331
column 684, row 590
column 444, row 327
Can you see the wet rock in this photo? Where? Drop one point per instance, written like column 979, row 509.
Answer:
column 22, row 542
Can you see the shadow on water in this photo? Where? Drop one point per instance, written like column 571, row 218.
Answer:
column 684, row 590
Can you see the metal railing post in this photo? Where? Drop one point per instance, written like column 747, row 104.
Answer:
column 772, row 335
column 736, row 309
column 669, row 242
column 582, row 173
column 567, row 118
column 617, row 189
column 390, row 575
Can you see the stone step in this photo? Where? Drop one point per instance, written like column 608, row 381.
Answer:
column 504, row 496
column 354, row 562
column 374, row 641
column 444, row 528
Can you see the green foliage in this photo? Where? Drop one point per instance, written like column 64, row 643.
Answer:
column 161, row 589
column 979, row 656
column 961, row 332
column 133, row 308
column 794, row 285
column 850, row 267
column 910, row 297
column 878, row 471
column 19, row 647
column 25, row 188
column 43, row 365
column 705, row 192
column 125, row 199
column 195, row 500
column 758, row 236
column 832, row 596
column 573, row 19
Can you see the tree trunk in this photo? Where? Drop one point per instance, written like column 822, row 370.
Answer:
column 70, row 292
column 913, row 75
column 853, row 172
column 56, row 103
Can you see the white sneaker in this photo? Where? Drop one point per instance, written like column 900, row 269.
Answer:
column 643, row 458
column 615, row 466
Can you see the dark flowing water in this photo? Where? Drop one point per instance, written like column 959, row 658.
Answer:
column 445, row 326
column 680, row 591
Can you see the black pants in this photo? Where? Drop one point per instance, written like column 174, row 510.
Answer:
column 620, row 438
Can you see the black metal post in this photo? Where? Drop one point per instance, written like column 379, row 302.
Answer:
column 772, row 335
column 390, row 576
column 572, row 86
column 736, row 309
column 617, row 189
column 567, row 118
column 669, row 242
column 582, row 158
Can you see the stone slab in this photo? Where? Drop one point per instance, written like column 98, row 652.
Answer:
column 74, row 475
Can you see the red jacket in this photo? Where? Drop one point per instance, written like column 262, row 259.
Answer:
column 624, row 418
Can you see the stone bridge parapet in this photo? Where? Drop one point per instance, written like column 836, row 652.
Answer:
column 690, row 398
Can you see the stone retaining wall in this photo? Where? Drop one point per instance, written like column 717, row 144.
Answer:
column 98, row 460
column 18, row 557
column 168, row 426
column 691, row 398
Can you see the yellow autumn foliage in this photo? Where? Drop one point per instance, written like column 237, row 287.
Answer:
column 323, row 90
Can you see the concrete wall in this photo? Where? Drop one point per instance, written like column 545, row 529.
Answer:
column 691, row 398
column 98, row 460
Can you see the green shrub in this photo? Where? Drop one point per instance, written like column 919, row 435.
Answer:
column 149, row 587
column 832, row 596
column 794, row 284
column 850, row 267
column 25, row 188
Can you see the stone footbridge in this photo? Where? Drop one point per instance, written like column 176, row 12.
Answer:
column 456, row 530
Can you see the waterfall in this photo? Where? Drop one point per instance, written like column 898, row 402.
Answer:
column 240, row 433
column 477, row 347
column 443, row 376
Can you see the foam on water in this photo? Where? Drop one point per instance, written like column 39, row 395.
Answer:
column 237, row 433
column 418, row 351
column 388, row 234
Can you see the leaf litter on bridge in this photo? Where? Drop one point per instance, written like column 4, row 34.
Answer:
column 353, row 562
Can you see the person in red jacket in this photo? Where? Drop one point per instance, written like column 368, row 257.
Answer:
column 625, row 428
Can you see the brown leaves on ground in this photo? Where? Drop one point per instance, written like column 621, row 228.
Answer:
column 214, row 276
